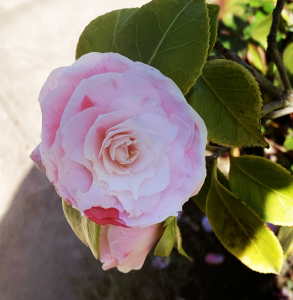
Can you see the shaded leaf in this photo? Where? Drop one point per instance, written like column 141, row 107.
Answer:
column 213, row 11
column 99, row 34
column 264, row 186
column 285, row 237
column 167, row 241
column 228, row 99
column 170, row 35
column 288, row 61
column 179, row 244
column 261, row 31
column 86, row 230
column 242, row 232
column 201, row 198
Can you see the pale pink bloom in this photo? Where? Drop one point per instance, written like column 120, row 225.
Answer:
column 127, row 248
column 119, row 141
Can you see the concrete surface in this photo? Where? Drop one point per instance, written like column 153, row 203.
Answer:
column 40, row 258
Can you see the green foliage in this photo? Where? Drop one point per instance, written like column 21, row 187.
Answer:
column 201, row 198
column 170, row 35
column 288, row 144
column 241, row 231
column 285, row 237
column 167, row 241
column 99, row 35
column 265, row 186
column 86, row 230
column 213, row 10
column 288, row 61
column 228, row 99
column 261, row 31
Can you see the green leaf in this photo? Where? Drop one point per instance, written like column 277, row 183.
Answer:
column 100, row 34
column 167, row 241
column 264, row 186
column 228, row 99
column 254, row 58
column 261, row 31
column 288, row 144
column 285, row 237
column 213, row 10
column 179, row 244
column 288, row 61
column 242, row 232
column 86, row 230
column 201, row 198
column 170, row 35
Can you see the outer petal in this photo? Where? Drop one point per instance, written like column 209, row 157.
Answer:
column 128, row 246
column 36, row 158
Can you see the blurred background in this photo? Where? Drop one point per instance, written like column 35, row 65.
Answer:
column 40, row 257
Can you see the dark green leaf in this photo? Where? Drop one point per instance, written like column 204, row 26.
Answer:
column 100, row 34
column 242, row 232
column 201, row 198
column 265, row 186
column 170, row 35
column 228, row 99
column 213, row 10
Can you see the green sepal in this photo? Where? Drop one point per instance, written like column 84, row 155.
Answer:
column 86, row 230
column 167, row 241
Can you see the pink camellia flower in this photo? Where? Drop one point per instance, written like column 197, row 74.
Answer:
column 127, row 248
column 119, row 141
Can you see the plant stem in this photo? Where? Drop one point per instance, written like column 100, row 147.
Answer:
column 212, row 148
column 279, row 113
column 210, row 159
column 272, row 46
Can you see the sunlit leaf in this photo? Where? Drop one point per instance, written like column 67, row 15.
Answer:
column 285, row 237
column 201, row 198
column 261, row 31
column 86, row 230
column 256, row 57
column 228, row 99
column 99, row 34
column 167, row 241
column 242, row 232
column 213, row 10
column 170, row 35
column 265, row 186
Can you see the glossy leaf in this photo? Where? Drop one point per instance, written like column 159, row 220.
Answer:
column 170, row 35
column 167, row 241
column 228, row 99
column 261, row 31
column 242, row 232
column 179, row 244
column 265, row 186
column 99, row 34
column 285, row 237
column 201, row 198
column 86, row 230
column 213, row 10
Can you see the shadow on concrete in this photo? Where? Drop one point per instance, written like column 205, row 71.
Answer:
column 40, row 256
